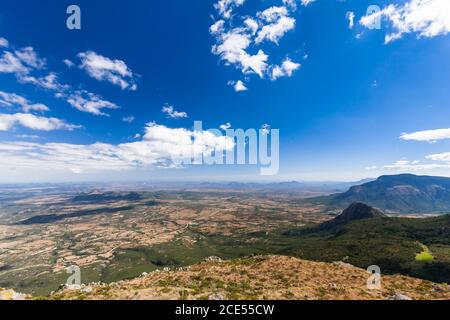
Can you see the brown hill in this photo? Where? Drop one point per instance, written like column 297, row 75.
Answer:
column 261, row 277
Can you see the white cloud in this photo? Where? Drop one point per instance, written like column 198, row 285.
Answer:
column 8, row 121
column 427, row 135
column 286, row 69
column 128, row 119
column 217, row 27
column 12, row 100
column 351, row 19
column 238, row 86
column 275, row 31
column 160, row 147
column 272, row 14
column 292, row 4
column 68, row 63
column 48, row 82
column 444, row 157
column 426, row 18
column 237, row 45
column 436, row 161
column 27, row 136
column 21, row 62
column 252, row 25
column 172, row 113
column 35, row 107
column 226, row 7
column 25, row 61
column 307, row 2
column 232, row 48
column 29, row 57
column 104, row 69
column 89, row 102
column 9, row 63
column 4, row 43
column 225, row 126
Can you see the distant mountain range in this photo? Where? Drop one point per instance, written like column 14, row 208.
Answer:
column 405, row 193
column 284, row 186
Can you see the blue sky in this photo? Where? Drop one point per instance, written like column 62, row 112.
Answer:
column 341, row 103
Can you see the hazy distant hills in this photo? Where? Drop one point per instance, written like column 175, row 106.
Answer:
column 399, row 193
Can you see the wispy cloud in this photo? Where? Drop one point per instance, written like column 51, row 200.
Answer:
column 427, row 135
column 4, row 43
column 68, row 63
column 307, row 2
column 27, row 120
column 105, row 69
column 128, row 119
column 225, row 7
column 86, row 101
column 15, row 100
column 172, row 113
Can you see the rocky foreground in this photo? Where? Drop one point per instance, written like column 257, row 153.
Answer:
column 261, row 277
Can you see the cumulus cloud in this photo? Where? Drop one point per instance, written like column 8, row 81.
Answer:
column 232, row 48
column 273, row 14
column 217, row 27
column 226, row 7
column 13, row 100
column 427, row 135
column 237, row 45
column 292, row 4
column 27, row 120
column 275, row 31
column 105, row 69
column 4, row 43
column 426, row 18
column 172, row 113
column 238, row 86
column 286, row 69
column 159, row 147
